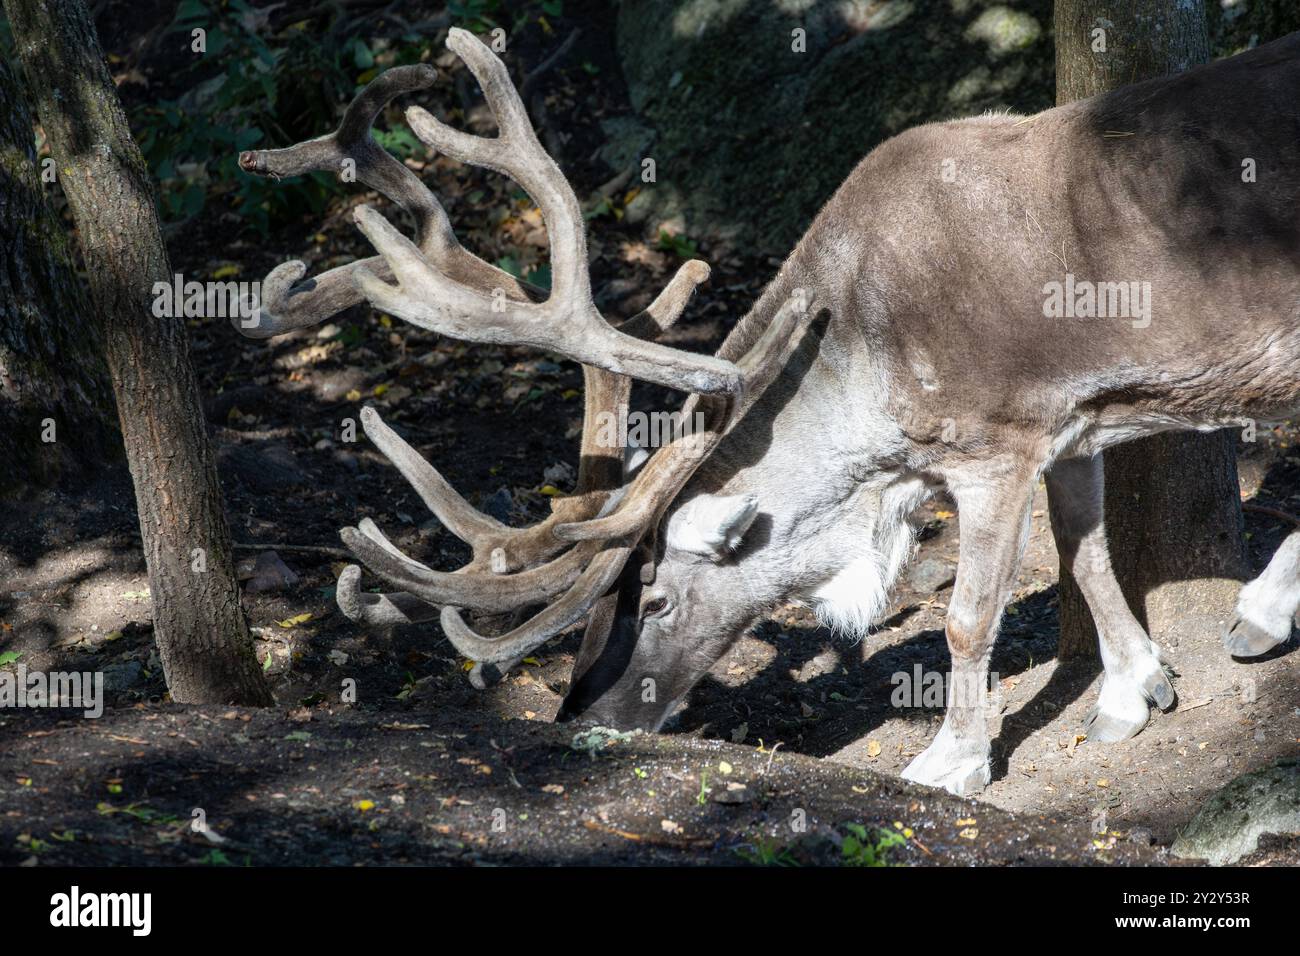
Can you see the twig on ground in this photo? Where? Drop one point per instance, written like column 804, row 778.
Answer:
column 1270, row 512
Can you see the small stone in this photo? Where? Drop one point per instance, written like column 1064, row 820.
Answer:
column 931, row 575
column 1141, row 836
column 270, row 573
column 733, row 794
column 119, row 677
column 499, row 505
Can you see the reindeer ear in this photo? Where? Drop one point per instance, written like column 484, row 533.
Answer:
column 712, row 525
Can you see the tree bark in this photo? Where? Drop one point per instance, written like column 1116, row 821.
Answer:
column 203, row 639
column 55, row 399
column 1173, row 505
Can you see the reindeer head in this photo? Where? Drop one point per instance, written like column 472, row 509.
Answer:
column 674, row 614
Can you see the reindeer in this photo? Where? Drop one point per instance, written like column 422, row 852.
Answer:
column 983, row 303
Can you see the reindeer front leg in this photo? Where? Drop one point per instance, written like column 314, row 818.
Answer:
column 993, row 506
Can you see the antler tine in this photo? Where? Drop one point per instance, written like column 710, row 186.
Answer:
column 458, row 515
column 483, row 592
column 567, row 322
column 661, row 314
column 288, row 304
column 378, row 610
column 600, row 574
column 515, row 153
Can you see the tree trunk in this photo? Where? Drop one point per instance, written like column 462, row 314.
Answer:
column 1173, row 505
column 55, row 398
column 203, row 639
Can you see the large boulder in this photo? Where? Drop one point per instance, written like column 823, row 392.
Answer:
column 1230, row 824
column 750, row 136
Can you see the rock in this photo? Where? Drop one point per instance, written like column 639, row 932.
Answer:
column 738, row 109
column 754, row 126
column 931, row 575
column 734, row 793
column 499, row 505
column 347, row 460
column 263, row 469
column 1231, row 822
column 120, row 677
column 625, row 141
column 1141, row 836
column 560, row 475
column 268, row 573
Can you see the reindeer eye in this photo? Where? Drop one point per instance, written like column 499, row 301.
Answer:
column 653, row 608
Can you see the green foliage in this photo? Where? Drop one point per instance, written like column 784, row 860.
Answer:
column 476, row 15
column 246, row 93
column 859, row 846
column 538, row 275
column 859, row 849
column 679, row 246
column 766, row 852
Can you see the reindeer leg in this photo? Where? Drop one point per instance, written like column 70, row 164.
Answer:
column 993, row 508
column 1135, row 674
column 1267, row 605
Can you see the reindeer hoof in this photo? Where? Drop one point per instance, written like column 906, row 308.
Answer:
column 1159, row 689
column 1245, row 639
column 964, row 780
column 1124, row 705
column 948, row 764
column 1112, row 728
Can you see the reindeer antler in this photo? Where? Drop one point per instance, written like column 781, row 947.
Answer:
column 569, row 560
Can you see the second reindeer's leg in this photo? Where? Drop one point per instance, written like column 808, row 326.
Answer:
column 993, row 519
column 1135, row 676
column 1267, row 605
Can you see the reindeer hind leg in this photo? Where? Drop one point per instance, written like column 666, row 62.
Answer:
column 1267, row 605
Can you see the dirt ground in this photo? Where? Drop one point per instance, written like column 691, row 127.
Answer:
column 415, row 769
column 422, row 767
